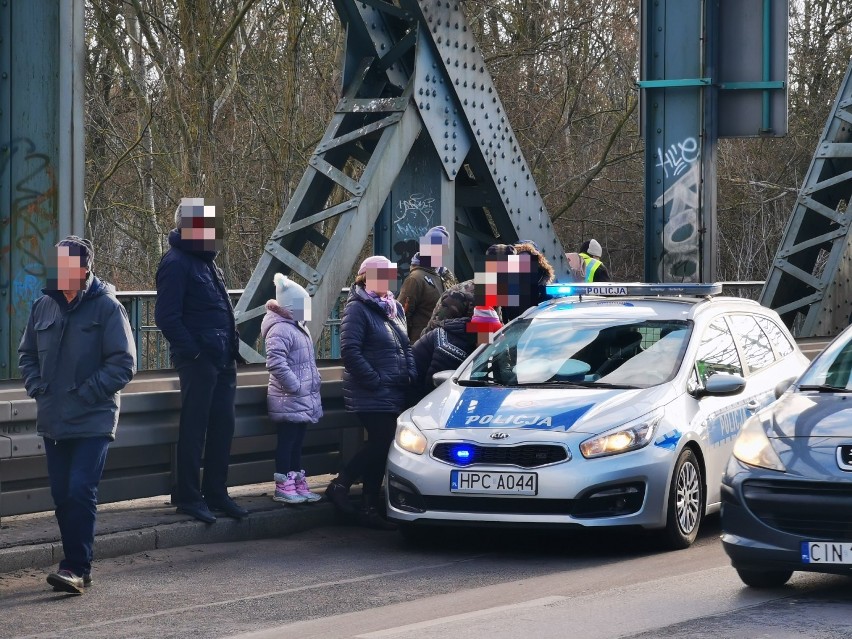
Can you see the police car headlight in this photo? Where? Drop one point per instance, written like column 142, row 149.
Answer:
column 754, row 448
column 630, row 436
column 409, row 438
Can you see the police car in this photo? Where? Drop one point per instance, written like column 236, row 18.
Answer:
column 612, row 405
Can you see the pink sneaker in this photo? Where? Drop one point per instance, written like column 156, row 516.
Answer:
column 285, row 489
column 303, row 490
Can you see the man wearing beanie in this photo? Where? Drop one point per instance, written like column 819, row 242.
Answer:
column 194, row 312
column 594, row 270
column 428, row 279
column 76, row 354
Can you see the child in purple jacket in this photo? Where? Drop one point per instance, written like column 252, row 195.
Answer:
column 293, row 394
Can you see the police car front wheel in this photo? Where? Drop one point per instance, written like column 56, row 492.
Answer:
column 685, row 508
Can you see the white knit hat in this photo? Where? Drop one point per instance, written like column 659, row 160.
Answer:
column 292, row 297
column 594, row 248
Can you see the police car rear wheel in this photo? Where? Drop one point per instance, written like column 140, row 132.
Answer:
column 686, row 502
column 765, row 578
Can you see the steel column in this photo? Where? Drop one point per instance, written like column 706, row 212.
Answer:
column 41, row 151
column 680, row 142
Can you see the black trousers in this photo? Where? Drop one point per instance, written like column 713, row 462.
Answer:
column 369, row 462
column 207, row 411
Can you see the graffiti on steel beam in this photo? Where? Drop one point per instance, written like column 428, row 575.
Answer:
column 33, row 210
column 681, row 203
column 413, row 216
column 678, row 157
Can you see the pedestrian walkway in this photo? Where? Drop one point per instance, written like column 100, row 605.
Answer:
column 139, row 525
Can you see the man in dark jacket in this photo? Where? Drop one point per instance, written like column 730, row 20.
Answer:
column 194, row 312
column 76, row 354
column 426, row 282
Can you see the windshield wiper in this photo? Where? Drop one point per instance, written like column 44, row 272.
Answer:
column 825, row 388
column 566, row 384
column 477, row 382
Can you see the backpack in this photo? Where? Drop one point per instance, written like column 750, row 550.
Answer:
column 576, row 267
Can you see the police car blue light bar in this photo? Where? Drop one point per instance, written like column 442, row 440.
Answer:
column 617, row 289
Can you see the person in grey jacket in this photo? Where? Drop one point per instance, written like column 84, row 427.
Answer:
column 293, row 394
column 76, row 354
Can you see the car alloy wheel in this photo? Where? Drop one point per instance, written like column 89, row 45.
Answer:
column 688, row 498
column 685, row 507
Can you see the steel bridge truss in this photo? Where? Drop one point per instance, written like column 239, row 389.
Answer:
column 410, row 67
column 809, row 281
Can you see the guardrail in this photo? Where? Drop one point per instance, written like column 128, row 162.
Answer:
column 141, row 460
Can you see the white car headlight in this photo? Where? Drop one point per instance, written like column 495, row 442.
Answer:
column 630, row 436
column 409, row 438
column 754, row 448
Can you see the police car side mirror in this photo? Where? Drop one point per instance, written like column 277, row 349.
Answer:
column 440, row 377
column 782, row 386
column 723, row 384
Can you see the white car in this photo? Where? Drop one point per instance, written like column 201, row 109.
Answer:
column 614, row 405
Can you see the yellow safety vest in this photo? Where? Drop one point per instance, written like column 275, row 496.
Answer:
column 591, row 265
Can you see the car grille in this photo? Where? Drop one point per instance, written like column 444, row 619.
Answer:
column 816, row 510
column 523, row 456
column 500, row 505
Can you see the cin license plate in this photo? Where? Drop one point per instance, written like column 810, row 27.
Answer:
column 826, row 552
column 493, row 483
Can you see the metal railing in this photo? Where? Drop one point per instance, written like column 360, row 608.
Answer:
column 152, row 349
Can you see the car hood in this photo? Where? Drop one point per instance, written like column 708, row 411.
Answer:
column 811, row 414
column 582, row 410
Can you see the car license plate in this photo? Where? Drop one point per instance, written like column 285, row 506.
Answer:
column 826, row 552
column 493, row 483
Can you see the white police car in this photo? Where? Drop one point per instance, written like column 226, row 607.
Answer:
column 614, row 405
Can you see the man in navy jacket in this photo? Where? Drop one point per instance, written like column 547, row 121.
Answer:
column 76, row 354
column 194, row 312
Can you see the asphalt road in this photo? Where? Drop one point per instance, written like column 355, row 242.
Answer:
column 348, row 582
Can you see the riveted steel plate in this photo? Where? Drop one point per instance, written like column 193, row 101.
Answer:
column 440, row 110
column 492, row 133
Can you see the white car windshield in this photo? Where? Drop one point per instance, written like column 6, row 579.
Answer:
column 581, row 352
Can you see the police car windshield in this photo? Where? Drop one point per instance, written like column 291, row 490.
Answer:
column 582, row 352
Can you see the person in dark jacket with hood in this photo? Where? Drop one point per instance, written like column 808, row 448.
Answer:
column 76, row 354
column 449, row 343
column 426, row 281
column 378, row 371
column 194, row 312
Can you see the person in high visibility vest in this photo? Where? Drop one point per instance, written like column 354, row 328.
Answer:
column 593, row 269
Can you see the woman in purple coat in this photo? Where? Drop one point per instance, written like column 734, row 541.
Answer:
column 293, row 395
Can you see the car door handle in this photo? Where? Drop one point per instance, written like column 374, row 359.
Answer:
column 752, row 406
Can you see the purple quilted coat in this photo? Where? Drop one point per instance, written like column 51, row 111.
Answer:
column 293, row 394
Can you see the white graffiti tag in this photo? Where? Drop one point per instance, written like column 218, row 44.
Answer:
column 678, row 157
column 681, row 233
column 413, row 216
